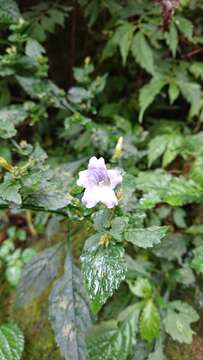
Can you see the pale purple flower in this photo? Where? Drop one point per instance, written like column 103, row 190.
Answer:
column 99, row 183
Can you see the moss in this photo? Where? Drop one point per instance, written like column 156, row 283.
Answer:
column 39, row 337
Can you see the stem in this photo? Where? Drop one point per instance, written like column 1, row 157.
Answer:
column 69, row 248
column 35, row 208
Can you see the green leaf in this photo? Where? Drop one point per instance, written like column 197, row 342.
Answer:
column 34, row 49
column 146, row 238
column 179, row 215
column 148, row 93
column 191, row 91
column 38, row 273
column 9, row 117
column 11, row 342
column 158, row 353
column 104, row 268
column 172, row 247
column 126, row 40
column 197, row 69
column 197, row 262
column 150, row 322
column 173, row 148
column 69, row 313
column 107, row 341
column 178, row 319
column 185, row 26
column 141, row 287
column 173, row 91
column 9, row 191
column 172, row 38
column 118, row 226
column 156, row 148
column 49, row 199
column 9, row 10
column 182, row 191
column 142, row 52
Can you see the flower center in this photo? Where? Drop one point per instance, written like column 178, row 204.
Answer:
column 98, row 175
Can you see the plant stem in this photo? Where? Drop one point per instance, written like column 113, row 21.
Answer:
column 35, row 208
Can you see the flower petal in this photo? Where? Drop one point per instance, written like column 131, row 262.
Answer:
column 97, row 163
column 90, row 197
column 83, row 178
column 107, row 196
column 115, row 177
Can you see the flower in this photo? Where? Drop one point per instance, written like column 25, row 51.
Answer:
column 99, row 184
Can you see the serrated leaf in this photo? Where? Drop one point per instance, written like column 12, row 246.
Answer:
column 125, row 40
column 141, row 287
column 182, row 191
column 173, row 246
column 9, row 191
column 38, row 274
column 109, row 342
column 118, row 226
column 142, row 52
column 146, row 238
column 69, row 313
column 156, row 148
column 173, row 148
column 172, row 38
column 173, row 91
column 104, row 268
column 9, row 117
column 150, row 322
column 148, row 93
column 9, row 10
column 185, row 26
column 49, row 200
column 178, row 319
column 34, row 49
column 11, row 342
column 191, row 91
column 197, row 262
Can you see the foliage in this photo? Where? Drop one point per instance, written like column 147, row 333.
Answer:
column 121, row 80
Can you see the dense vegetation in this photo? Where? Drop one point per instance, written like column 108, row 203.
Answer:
column 121, row 80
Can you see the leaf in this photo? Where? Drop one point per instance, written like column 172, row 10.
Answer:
column 69, row 313
column 141, row 287
column 182, row 191
column 11, row 342
column 9, row 191
column 125, row 40
column 9, row 10
column 173, row 148
column 197, row 261
column 150, row 322
column 178, row 319
column 173, row 91
column 197, row 69
column 49, row 200
column 146, row 238
column 34, row 49
column 172, row 38
column 109, row 342
column 142, row 52
column 158, row 353
column 9, row 117
column 148, row 93
column 118, row 226
column 104, row 268
column 156, row 148
column 38, row 274
column 185, row 26
column 172, row 247
column 191, row 91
